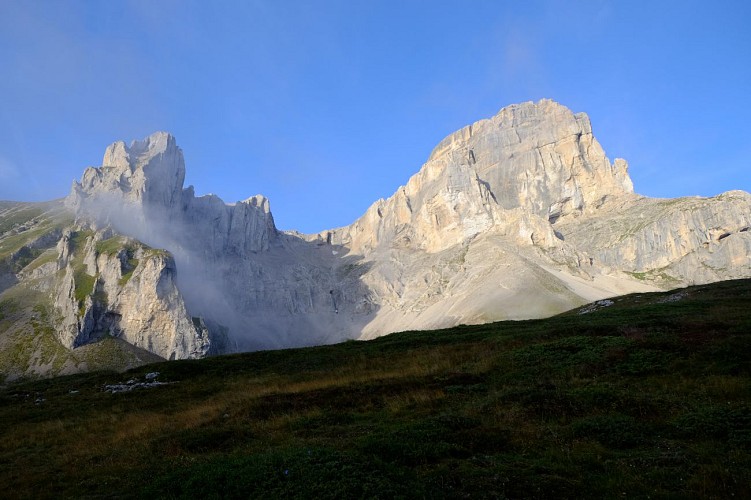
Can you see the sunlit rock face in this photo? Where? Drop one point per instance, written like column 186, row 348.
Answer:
column 517, row 216
column 688, row 240
column 539, row 158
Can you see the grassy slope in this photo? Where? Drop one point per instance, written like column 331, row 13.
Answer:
column 642, row 398
column 21, row 223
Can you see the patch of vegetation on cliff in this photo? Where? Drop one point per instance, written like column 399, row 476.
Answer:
column 128, row 268
column 25, row 256
column 84, row 286
column 658, row 275
column 132, row 264
column 27, row 339
column 157, row 252
column 113, row 246
column 649, row 397
column 83, row 283
column 110, row 246
column 78, row 240
column 50, row 350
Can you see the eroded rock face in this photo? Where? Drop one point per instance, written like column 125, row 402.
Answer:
column 236, row 271
column 114, row 286
column 539, row 158
column 148, row 172
column 680, row 241
column 139, row 191
column 521, row 215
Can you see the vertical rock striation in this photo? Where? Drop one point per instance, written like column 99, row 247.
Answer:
column 120, row 288
column 534, row 161
column 139, row 191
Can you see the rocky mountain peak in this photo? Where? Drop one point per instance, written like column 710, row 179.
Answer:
column 539, row 156
column 259, row 201
column 537, row 159
column 139, row 153
column 138, row 190
column 149, row 172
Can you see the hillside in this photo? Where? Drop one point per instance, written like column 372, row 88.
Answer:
column 29, row 343
column 645, row 396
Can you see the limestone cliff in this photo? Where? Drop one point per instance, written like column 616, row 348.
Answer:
column 541, row 159
column 113, row 286
column 139, row 191
column 517, row 216
column 673, row 241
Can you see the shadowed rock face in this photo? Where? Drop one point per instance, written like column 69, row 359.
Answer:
column 139, row 190
column 148, row 172
column 517, row 216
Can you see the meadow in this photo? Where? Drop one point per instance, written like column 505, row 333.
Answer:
column 646, row 398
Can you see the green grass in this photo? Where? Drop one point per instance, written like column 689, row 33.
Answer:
column 78, row 240
column 19, row 217
column 38, row 220
column 84, row 286
column 640, row 399
column 11, row 244
column 110, row 246
column 25, row 256
column 25, row 349
column 655, row 275
column 44, row 258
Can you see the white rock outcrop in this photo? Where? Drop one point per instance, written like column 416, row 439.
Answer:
column 139, row 191
column 517, row 216
column 117, row 287
column 677, row 241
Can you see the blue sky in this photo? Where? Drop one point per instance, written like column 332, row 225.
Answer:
column 326, row 106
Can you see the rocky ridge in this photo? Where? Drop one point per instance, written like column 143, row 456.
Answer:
column 116, row 286
column 518, row 216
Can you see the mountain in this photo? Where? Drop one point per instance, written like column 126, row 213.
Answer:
column 517, row 216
